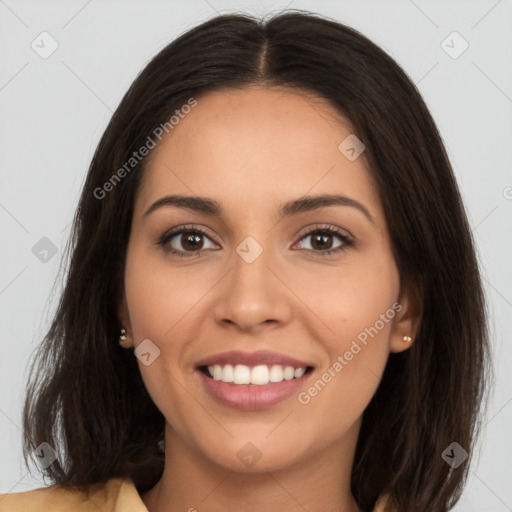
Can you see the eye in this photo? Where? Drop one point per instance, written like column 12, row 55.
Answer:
column 322, row 240
column 186, row 239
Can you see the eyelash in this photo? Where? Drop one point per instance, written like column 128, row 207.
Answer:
column 193, row 229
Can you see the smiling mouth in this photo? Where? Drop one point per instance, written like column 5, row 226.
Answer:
column 258, row 375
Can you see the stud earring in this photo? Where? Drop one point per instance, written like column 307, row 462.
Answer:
column 122, row 337
column 406, row 339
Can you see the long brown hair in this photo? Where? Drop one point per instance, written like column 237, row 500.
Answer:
column 87, row 399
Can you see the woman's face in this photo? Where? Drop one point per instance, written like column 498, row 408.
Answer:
column 259, row 279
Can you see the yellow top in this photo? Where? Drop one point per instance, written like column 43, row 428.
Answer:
column 116, row 495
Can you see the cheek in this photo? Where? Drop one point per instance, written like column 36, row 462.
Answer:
column 357, row 357
column 158, row 302
column 357, row 307
column 158, row 296
column 349, row 298
column 163, row 307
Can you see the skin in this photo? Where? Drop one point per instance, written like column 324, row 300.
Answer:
column 251, row 150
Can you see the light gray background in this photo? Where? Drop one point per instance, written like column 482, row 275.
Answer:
column 54, row 110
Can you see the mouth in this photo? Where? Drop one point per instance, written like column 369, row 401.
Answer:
column 252, row 388
column 259, row 375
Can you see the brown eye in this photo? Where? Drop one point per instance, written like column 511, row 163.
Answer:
column 186, row 242
column 191, row 241
column 322, row 241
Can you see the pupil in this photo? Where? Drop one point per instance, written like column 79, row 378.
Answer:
column 322, row 244
column 189, row 241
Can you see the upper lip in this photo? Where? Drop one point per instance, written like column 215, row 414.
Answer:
column 268, row 357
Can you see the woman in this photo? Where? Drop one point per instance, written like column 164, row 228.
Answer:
column 325, row 348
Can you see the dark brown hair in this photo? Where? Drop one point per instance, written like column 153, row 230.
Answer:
column 87, row 398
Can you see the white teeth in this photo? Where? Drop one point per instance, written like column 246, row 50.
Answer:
column 276, row 373
column 288, row 373
column 259, row 375
column 299, row 372
column 228, row 374
column 217, row 372
column 242, row 374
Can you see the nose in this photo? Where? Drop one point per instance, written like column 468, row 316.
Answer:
column 253, row 295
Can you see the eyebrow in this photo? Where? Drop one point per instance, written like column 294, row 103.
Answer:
column 211, row 207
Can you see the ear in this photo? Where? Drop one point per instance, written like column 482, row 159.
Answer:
column 408, row 318
column 124, row 321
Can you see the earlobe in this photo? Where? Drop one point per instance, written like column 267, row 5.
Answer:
column 407, row 321
column 125, row 339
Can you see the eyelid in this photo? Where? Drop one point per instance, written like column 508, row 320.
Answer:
column 308, row 230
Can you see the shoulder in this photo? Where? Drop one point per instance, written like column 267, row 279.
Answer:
column 106, row 497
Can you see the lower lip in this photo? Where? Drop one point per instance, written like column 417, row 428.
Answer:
column 251, row 397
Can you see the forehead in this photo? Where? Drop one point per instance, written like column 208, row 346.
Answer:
column 247, row 147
